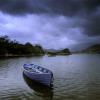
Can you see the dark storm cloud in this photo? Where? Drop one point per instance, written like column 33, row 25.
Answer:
column 82, row 9
column 66, row 7
column 22, row 6
column 92, row 25
column 62, row 22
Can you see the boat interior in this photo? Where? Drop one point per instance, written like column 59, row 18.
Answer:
column 36, row 68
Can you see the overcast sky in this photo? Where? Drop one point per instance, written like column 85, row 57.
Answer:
column 51, row 23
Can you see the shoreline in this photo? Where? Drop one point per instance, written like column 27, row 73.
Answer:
column 10, row 55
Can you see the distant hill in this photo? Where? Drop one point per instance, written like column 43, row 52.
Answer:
column 53, row 52
column 92, row 49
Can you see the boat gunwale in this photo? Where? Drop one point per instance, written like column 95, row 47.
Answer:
column 40, row 72
column 36, row 72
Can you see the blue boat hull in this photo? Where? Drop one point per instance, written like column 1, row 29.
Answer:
column 45, row 79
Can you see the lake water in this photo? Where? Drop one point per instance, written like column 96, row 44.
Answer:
column 76, row 77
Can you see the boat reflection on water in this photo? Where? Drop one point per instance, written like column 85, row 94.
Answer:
column 40, row 90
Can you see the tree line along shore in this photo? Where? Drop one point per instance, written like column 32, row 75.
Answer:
column 10, row 48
